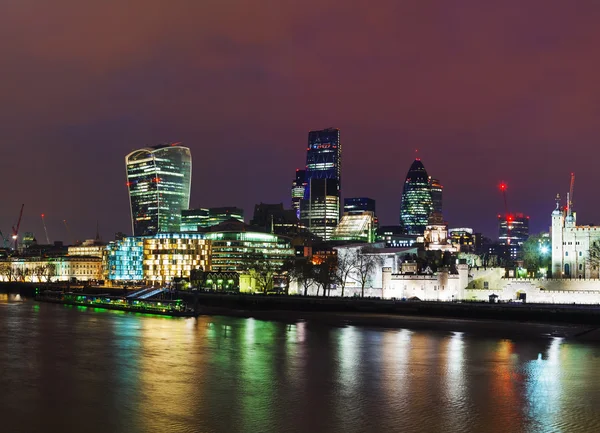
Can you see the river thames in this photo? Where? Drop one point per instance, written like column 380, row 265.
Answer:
column 68, row 369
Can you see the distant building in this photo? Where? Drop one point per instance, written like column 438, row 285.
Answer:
column 320, row 213
column 513, row 230
column 88, row 248
column 192, row 220
column 42, row 269
column 159, row 182
column 356, row 227
column 28, row 240
column 437, row 190
column 298, row 188
column 322, row 193
column 217, row 215
column 358, row 205
column 416, row 204
column 435, row 237
column 395, row 237
column 466, row 240
column 273, row 218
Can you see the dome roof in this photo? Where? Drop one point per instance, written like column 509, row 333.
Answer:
column 417, row 172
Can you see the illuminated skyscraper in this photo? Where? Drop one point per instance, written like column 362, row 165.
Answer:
column 437, row 190
column 320, row 208
column 298, row 187
column 159, row 182
column 416, row 205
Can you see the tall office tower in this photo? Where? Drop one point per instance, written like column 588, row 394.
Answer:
column 437, row 190
column 320, row 213
column 323, row 162
column 324, row 157
column 298, row 187
column 159, row 181
column 416, row 205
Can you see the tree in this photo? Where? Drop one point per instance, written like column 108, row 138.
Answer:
column 198, row 278
column 365, row 265
column 325, row 275
column 536, row 253
column 302, row 270
column 263, row 270
column 8, row 271
column 593, row 258
column 49, row 271
column 38, row 271
column 346, row 263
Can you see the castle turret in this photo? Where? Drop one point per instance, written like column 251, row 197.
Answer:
column 558, row 225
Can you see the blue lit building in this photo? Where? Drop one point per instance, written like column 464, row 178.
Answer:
column 159, row 181
column 323, row 157
column 124, row 260
column 416, row 204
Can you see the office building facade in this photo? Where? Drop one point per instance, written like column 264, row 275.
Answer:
column 320, row 213
column 298, row 188
column 159, row 182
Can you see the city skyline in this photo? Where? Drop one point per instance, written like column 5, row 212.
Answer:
column 518, row 106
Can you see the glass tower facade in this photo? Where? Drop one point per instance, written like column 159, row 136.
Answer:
column 416, row 204
column 320, row 213
column 159, row 181
column 298, row 188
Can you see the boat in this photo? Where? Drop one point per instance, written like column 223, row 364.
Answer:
column 174, row 308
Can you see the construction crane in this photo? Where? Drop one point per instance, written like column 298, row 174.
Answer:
column 570, row 197
column 507, row 216
column 69, row 239
column 15, row 229
column 45, row 229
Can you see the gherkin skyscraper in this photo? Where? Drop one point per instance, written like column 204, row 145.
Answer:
column 416, row 205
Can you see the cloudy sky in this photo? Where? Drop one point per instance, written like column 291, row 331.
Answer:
column 487, row 91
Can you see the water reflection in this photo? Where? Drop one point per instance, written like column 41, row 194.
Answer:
column 134, row 373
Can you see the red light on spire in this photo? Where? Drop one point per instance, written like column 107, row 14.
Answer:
column 502, row 186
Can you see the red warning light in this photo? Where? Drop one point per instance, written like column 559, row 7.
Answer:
column 502, row 186
column 43, row 215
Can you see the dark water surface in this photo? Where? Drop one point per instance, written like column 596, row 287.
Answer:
column 67, row 369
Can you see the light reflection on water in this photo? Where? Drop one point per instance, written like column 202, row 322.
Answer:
column 71, row 370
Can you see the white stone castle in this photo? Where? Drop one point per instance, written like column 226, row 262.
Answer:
column 571, row 246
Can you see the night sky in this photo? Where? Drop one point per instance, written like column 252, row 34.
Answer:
column 487, row 91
